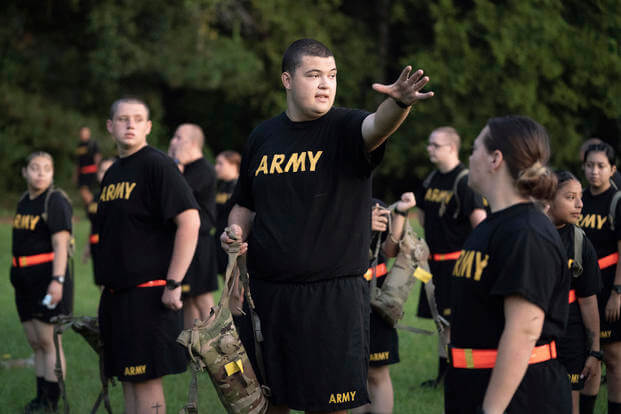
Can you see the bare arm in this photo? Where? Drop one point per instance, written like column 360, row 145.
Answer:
column 391, row 245
column 186, row 237
column 377, row 127
column 590, row 318
column 523, row 324
column 240, row 221
column 477, row 216
column 60, row 244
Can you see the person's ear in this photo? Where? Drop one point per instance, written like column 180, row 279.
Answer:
column 286, row 80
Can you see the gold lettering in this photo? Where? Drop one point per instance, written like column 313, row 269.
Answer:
column 129, row 187
column 313, row 160
column 119, row 189
column 102, row 196
column 481, row 264
column 16, row 220
column 262, row 166
column 297, row 161
column 332, row 399
column 466, row 266
column 33, row 222
column 588, row 221
column 600, row 221
column 338, row 398
column 276, row 161
column 346, row 397
column 110, row 192
column 353, row 395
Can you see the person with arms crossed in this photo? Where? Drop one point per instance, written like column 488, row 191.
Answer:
column 305, row 175
column 148, row 228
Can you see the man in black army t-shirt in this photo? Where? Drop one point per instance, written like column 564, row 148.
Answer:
column 448, row 219
column 88, row 157
column 202, row 276
column 305, row 179
column 148, row 228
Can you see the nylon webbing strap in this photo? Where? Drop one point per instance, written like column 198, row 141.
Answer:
column 58, row 370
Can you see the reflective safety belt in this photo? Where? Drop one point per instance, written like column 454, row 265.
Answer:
column 25, row 261
column 572, row 296
column 88, row 169
column 441, row 257
column 381, row 271
column 93, row 238
column 608, row 261
column 152, row 283
column 486, row 358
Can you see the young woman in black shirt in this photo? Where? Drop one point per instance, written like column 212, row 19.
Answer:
column 579, row 348
column 599, row 167
column 41, row 235
column 510, row 284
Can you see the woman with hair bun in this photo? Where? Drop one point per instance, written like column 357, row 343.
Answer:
column 510, row 284
column 599, row 167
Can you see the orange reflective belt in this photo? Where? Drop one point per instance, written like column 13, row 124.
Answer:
column 381, row 271
column 152, row 283
column 440, row 257
column 88, row 169
column 486, row 358
column 608, row 261
column 24, row 261
column 93, row 238
column 572, row 296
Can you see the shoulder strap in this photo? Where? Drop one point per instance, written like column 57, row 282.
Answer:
column 613, row 209
column 428, row 179
column 578, row 247
column 46, row 202
column 461, row 175
column 23, row 196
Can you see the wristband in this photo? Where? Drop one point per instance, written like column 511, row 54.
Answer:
column 616, row 288
column 401, row 104
column 172, row 284
column 59, row 279
column 597, row 354
column 401, row 213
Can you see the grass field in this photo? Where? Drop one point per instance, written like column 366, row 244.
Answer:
column 17, row 385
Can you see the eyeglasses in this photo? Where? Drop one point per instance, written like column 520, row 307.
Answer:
column 436, row 146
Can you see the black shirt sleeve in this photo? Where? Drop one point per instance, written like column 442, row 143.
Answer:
column 243, row 190
column 365, row 161
column 527, row 268
column 172, row 190
column 590, row 281
column 59, row 213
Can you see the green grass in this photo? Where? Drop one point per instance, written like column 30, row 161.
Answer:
column 17, row 385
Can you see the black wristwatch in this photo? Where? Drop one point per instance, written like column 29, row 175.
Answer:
column 617, row 288
column 401, row 213
column 597, row 354
column 172, row 284
column 401, row 104
column 59, row 279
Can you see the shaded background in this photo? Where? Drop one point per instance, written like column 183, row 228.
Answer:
column 217, row 63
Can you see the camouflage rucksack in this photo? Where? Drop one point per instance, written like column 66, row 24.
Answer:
column 214, row 344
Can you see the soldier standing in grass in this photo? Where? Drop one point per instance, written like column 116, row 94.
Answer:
column 305, row 176
column 148, row 227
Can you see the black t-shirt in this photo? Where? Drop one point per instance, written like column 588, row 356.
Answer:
column 31, row 234
column 224, row 203
column 91, row 213
column 589, row 282
column 310, row 186
column 86, row 152
column 140, row 197
column 513, row 251
column 446, row 234
column 594, row 221
column 201, row 178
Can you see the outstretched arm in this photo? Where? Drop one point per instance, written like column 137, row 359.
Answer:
column 402, row 94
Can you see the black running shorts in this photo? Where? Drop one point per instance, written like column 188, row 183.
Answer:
column 572, row 352
column 139, row 335
column 202, row 275
column 316, row 347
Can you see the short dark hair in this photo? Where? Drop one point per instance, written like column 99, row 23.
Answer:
column 232, row 157
column 300, row 48
column 128, row 99
column 564, row 176
column 601, row 147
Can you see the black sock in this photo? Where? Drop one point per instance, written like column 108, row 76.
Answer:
column 52, row 393
column 40, row 388
column 614, row 408
column 587, row 403
column 442, row 367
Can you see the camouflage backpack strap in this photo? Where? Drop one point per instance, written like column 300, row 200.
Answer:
column 61, row 323
column 445, row 202
column 613, row 209
column 576, row 264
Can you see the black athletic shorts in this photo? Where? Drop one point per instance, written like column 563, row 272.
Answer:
column 139, row 335
column 87, row 180
column 384, row 342
column 573, row 352
column 608, row 331
column 202, row 275
column 316, row 342
column 31, row 284
column 544, row 389
column 441, row 272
